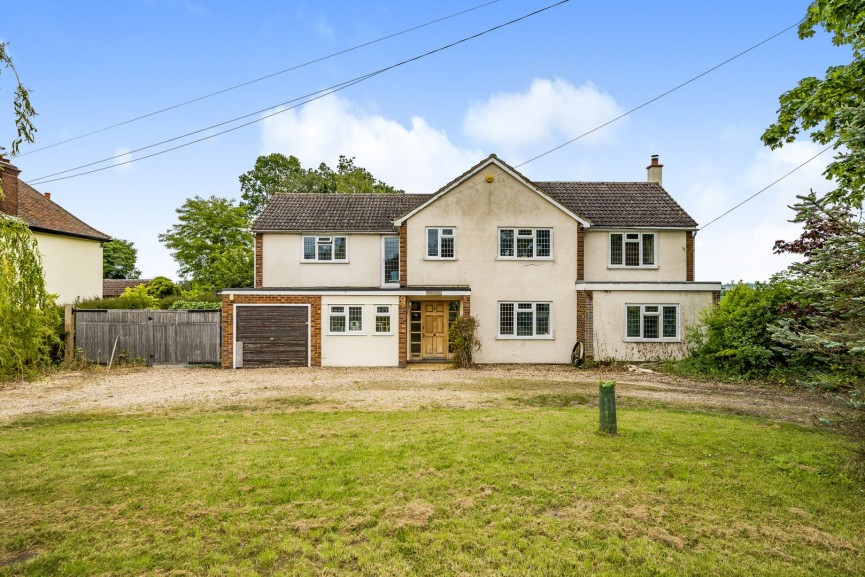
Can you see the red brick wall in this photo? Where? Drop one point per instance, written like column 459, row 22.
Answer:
column 403, row 330
column 584, row 328
column 467, row 306
column 259, row 261
column 403, row 255
column 228, row 322
column 9, row 182
column 689, row 255
column 581, row 256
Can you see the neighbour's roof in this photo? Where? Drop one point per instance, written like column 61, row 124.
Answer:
column 114, row 287
column 620, row 204
column 41, row 214
column 336, row 212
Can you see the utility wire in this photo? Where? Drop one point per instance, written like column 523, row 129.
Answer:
column 248, row 82
column 764, row 189
column 663, row 94
column 305, row 99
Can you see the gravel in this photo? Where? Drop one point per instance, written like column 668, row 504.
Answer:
column 135, row 390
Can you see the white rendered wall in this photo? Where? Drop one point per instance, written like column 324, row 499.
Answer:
column 73, row 266
column 368, row 349
column 282, row 266
column 671, row 258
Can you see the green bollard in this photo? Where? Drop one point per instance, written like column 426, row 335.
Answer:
column 607, row 404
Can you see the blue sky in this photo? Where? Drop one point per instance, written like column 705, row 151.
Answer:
column 516, row 92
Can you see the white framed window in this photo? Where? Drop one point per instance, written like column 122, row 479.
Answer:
column 346, row 319
column 633, row 249
column 519, row 243
column 441, row 242
column 525, row 320
column 383, row 320
column 653, row 322
column 390, row 261
column 325, row 249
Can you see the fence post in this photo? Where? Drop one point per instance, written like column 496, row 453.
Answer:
column 69, row 330
column 607, row 404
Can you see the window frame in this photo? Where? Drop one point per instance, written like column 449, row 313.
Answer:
column 384, row 281
column 317, row 241
column 345, row 314
column 550, row 335
column 641, row 234
column 660, row 314
column 516, row 235
column 378, row 314
column 438, row 256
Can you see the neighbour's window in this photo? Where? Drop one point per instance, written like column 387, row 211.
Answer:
column 382, row 319
column 325, row 249
column 632, row 249
column 524, row 320
column 652, row 322
column 525, row 242
column 346, row 319
column 440, row 242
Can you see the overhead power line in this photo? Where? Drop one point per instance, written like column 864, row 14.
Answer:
column 303, row 100
column 765, row 188
column 662, row 95
column 259, row 79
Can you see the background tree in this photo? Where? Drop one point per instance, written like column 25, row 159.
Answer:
column 24, row 112
column 118, row 260
column 831, row 110
column 275, row 173
column 161, row 287
column 210, row 232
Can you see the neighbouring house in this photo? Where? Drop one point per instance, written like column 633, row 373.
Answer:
column 114, row 287
column 71, row 249
column 549, row 269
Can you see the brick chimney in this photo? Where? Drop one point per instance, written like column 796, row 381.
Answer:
column 47, row 195
column 9, row 181
column 654, row 170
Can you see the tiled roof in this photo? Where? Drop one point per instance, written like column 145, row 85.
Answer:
column 114, row 287
column 620, row 204
column 45, row 215
column 336, row 212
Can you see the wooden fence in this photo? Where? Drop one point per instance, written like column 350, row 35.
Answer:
column 155, row 336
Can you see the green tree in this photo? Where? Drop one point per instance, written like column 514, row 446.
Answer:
column 161, row 287
column 832, row 109
column 118, row 260
column 24, row 112
column 275, row 173
column 209, row 233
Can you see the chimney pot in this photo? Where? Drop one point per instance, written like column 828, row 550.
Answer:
column 655, row 170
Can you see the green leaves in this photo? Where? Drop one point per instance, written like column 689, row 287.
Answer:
column 118, row 260
column 24, row 112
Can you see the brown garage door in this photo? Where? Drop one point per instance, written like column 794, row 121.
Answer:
column 272, row 336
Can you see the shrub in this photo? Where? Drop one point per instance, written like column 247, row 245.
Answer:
column 195, row 305
column 462, row 335
column 161, row 287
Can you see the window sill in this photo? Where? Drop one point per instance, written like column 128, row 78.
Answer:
column 383, row 334
column 438, row 258
column 623, row 267
column 667, row 340
column 516, row 338
column 534, row 258
column 346, row 334
column 302, row 261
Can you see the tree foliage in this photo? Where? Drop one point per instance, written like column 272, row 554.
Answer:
column 275, row 173
column 28, row 317
column 24, row 112
column 832, row 109
column 118, row 260
column 211, row 240
column 161, row 287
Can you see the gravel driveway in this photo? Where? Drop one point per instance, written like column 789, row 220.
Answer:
column 149, row 389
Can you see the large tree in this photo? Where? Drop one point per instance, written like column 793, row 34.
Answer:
column 275, row 173
column 212, row 236
column 118, row 260
column 831, row 110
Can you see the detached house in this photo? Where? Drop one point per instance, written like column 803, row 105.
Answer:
column 71, row 249
column 549, row 269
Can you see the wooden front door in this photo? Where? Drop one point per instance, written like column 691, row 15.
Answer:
column 434, row 330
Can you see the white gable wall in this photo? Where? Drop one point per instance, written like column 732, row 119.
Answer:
column 73, row 266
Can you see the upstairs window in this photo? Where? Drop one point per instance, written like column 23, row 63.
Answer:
column 440, row 242
column 652, row 322
column 325, row 249
column 519, row 243
column 632, row 249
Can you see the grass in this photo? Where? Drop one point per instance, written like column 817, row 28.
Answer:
column 532, row 490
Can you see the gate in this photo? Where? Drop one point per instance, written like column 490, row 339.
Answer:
column 156, row 336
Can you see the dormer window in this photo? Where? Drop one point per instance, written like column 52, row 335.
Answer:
column 633, row 249
column 325, row 249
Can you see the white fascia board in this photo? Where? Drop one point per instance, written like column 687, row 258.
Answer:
column 627, row 228
column 497, row 162
column 649, row 286
column 348, row 292
column 326, row 232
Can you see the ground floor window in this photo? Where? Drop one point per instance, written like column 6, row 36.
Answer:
column 382, row 320
column 346, row 319
column 524, row 319
column 656, row 322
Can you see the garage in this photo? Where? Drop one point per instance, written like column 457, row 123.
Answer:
column 271, row 335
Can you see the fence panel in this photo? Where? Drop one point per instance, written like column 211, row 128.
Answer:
column 157, row 337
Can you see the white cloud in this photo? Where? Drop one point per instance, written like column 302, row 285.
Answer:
column 548, row 113
column 417, row 158
column 122, row 155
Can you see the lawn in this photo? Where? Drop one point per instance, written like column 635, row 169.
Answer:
column 506, row 491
